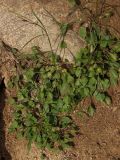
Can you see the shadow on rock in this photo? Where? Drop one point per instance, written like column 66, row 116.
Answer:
column 4, row 154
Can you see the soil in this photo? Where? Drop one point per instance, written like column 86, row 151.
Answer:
column 99, row 137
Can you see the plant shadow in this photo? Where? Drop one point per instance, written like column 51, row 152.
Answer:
column 4, row 154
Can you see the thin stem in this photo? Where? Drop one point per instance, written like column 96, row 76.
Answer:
column 43, row 27
column 30, row 41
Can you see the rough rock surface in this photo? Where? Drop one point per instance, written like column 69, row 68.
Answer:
column 17, row 32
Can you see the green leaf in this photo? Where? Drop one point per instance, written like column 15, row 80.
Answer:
column 64, row 27
column 13, row 126
column 63, row 45
column 80, row 114
column 77, row 82
column 56, row 76
column 28, row 75
column 29, row 143
column 113, row 76
column 91, row 110
column 53, row 120
column 35, row 50
column 65, row 145
column 103, row 43
column 100, row 97
column 70, row 79
column 67, row 100
column 49, row 97
column 46, row 108
column 113, row 57
column 78, row 57
column 10, row 84
column 82, row 32
column 108, row 100
column 78, row 72
column 72, row 2
column 11, row 101
column 38, row 139
column 55, row 136
column 20, row 96
column 83, row 80
column 65, row 121
column 116, row 47
column 114, row 73
column 92, row 82
column 105, row 83
column 24, row 92
column 65, row 89
column 113, row 81
column 93, row 38
column 86, row 92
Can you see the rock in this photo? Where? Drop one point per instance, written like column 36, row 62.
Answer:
column 16, row 32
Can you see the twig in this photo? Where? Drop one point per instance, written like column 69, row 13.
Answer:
column 30, row 41
column 43, row 27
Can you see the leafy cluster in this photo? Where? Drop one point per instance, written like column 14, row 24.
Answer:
column 99, row 62
column 49, row 88
column 42, row 102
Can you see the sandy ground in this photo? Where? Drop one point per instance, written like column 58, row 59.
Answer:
column 99, row 137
